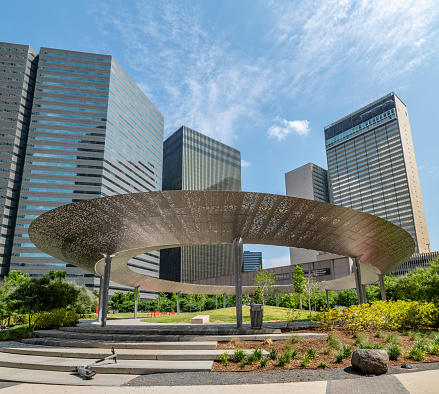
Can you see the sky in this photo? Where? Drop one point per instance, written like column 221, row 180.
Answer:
column 264, row 77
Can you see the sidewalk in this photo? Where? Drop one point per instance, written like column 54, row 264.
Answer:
column 416, row 382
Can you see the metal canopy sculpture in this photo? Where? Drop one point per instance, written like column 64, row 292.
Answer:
column 131, row 224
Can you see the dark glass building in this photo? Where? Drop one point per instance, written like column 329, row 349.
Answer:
column 92, row 133
column 193, row 161
column 251, row 261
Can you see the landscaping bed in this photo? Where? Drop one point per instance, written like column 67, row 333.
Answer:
column 341, row 342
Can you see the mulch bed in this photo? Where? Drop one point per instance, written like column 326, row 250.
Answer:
column 325, row 354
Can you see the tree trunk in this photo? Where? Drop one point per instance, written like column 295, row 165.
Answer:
column 309, row 304
column 300, row 301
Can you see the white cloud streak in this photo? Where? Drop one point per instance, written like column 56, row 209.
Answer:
column 283, row 127
column 276, row 262
column 245, row 163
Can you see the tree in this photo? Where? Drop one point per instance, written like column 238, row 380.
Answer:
column 347, row 298
column 299, row 282
column 311, row 289
column 264, row 282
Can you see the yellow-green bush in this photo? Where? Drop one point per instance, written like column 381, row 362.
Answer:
column 389, row 315
column 56, row 318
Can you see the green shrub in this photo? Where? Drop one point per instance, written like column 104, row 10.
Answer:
column 56, row 318
column 273, row 354
column 339, row 357
column 224, row 358
column 347, row 351
column 263, row 362
column 16, row 333
column 421, row 345
column 334, row 341
column 304, row 362
column 323, row 365
column 293, row 354
column 257, row 354
column 434, row 348
column 251, row 358
column 394, row 351
column 369, row 345
column 311, row 353
column 393, row 339
column 238, row 355
column 284, row 359
column 416, row 354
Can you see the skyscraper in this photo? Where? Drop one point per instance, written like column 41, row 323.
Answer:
column 372, row 166
column 251, row 261
column 92, row 133
column 311, row 182
column 193, row 161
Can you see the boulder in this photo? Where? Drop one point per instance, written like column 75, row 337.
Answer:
column 370, row 361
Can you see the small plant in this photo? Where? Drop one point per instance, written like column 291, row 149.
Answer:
column 238, row 355
column 421, row 345
column 273, row 354
column 347, row 351
column 434, row 348
column 224, row 358
column 257, row 354
column 416, row 354
column 305, row 361
column 393, row 339
column 267, row 341
column 436, row 339
column 414, row 335
column 339, row 357
column 234, row 342
column 394, row 351
column 379, row 334
column 244, row 362
column 293, row 354
column 323, row 365
column 311, row 353
column 284, row 359
column 369, row 345
column 334, row 341
column 251, row 358
column 326, row 350
column 263, row 362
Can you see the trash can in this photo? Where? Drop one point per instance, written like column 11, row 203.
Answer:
column 256, row 315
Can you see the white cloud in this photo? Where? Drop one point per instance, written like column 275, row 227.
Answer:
column 276, row 262
column 245, row 163
column 283, row 127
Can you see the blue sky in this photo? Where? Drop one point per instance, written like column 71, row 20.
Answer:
column 262, row 76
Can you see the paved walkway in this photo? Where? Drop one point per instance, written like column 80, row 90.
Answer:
column 413, row 383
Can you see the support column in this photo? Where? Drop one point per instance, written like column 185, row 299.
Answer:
column 238, row 249
column 136, row 296
column 101, row 292
column 106, row 287
column 277, row 299
column 363, row 287
column 216, row 301
column 178, row 303
column 357, row 272
column 224, row 300
column 382, row 288
column 327, row 299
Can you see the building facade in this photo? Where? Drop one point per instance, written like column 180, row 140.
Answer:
column 193, row 161
column 311, row 182
column 251, row 261
column 372, row 166
column 92, row 133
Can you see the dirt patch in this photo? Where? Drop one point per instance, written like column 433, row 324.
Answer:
column 325, row 353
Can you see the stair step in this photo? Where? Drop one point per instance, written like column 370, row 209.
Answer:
column 122, row 354
column 129, row 367
column 60, row 342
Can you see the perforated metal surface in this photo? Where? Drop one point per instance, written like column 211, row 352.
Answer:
column 130, row 224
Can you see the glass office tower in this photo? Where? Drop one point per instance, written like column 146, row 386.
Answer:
column 252, row 261
column 372, row 166
column 18, row 65
column 93, row 133
column 193, row 161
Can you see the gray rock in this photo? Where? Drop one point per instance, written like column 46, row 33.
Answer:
column 370, row 361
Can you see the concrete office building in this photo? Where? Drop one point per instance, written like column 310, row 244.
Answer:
column 372, row 166
column 193, row 161
column 92, row 133
column 251, row 261
column 311, row 182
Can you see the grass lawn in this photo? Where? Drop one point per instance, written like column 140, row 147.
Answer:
column 228, row 315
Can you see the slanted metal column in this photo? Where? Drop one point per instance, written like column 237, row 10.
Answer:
column 178, row 303
column 363, row 287
column 238, row 248
column 216, row 301
column 224, row 300
column 382, row 288
column 277, row 299
column 357, row 272
column 101, row 291
column 327, row 299
column 136, row 296
column 106, row 287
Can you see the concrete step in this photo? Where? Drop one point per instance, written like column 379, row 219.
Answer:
column 61, row 378
column 75, row 343
column 122, row 354
column 127, row 367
